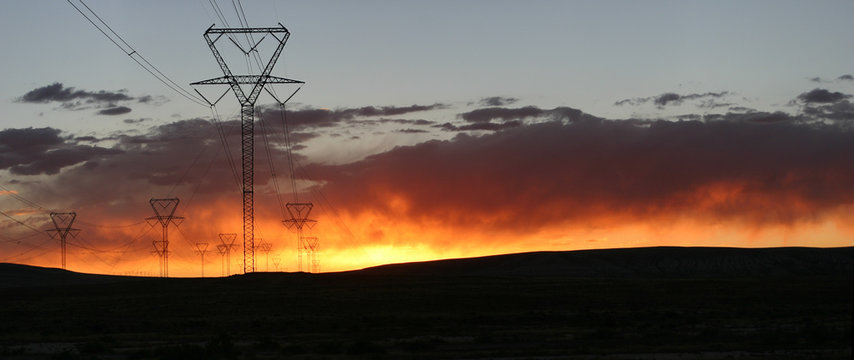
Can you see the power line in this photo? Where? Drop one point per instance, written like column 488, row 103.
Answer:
column 224, row 140
column 272, row 167
column 18, row 240
column 133, row 54
column 33, row 247
column 21, row 223
column 20, row 198
column 109, row 226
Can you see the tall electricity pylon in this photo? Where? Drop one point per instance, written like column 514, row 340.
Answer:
column 227, row 240
column 164, row 213
column 201, row 249
column 62, row 222
column 299, row 221
column 247, row 112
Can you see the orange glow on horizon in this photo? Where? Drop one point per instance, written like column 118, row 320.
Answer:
column 395, row 230
column 373, row 243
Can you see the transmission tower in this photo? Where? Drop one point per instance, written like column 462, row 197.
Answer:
column 62, row 223
column 311, row 246
column 164, row 214
column 276, row 261
column 247, row 111
column 299, row 221
column 265, row 247
column 222, row 249
column 227, row 240
column 201, row 249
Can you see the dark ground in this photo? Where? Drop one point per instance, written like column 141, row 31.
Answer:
column 608, row 304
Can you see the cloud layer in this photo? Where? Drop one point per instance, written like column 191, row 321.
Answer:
column 32, row 151
column 70, row 98
column 671, row 98
column 607, row 171
column 494, row 171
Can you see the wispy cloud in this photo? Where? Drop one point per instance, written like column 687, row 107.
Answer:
column 671, row 98
column 70, row 98
column 822, row 96
column 497, row 101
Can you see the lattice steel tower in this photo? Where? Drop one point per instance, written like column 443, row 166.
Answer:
column 62, row 223
column 247, row 112
column 164, row 214
column 299, row 221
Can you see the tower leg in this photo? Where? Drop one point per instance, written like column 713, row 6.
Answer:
column 166, row 250
column 247, row 130
column 62, row 238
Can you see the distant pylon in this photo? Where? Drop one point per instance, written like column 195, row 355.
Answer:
column 247, row 113
column 201, row 249
column 62, row 223
column 222, row 249
column 164, row 214
column 276, row 261
column 265, row 247
column 312, row 246
column 227, row 240
column 299, row 221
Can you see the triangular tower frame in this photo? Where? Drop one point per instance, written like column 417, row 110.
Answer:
column 247, row 113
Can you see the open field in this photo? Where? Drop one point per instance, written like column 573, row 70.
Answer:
column 472, row 308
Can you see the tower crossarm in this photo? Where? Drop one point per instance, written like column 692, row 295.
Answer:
column 272, row 30
column 247, row 79
column 281, row 34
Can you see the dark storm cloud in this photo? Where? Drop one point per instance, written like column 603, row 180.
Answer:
column 822, row 96
column 557, row 172
column 497, row 101
column 117, row 110
column 671, row 98
column 32, row 151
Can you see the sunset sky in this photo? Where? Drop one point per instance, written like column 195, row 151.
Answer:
column 433, row 129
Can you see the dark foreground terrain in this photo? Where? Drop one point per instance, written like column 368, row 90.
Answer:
column 654, row 303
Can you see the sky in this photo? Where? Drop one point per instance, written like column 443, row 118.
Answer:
column 430, row 130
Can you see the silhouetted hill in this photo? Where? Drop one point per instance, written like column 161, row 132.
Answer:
column 652, row 262
column 645, row 303
column 16, row 275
